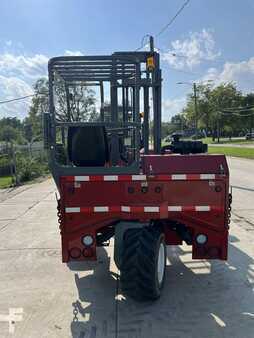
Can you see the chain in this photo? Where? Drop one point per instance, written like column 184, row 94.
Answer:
column 75, row 312
column 229, row 207
column 59, row 214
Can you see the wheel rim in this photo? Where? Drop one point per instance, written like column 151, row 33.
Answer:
column 161, row 263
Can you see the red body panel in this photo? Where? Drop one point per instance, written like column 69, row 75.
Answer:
column 191, row 189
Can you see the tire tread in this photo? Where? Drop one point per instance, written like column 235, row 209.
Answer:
column 139, row 262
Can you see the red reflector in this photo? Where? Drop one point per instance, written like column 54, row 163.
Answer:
column 75, row 253
column 88, row 252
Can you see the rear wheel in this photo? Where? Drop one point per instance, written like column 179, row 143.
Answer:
column 143, row 263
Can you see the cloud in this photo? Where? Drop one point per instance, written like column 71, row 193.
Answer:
column 17, row 76
column 18, row 73
column 28, row 68
column 22, row 66
column 73, row 53
column 11, row 87
column 190, row 52
column 8, row 43
column 240, row 73
column 171, row 107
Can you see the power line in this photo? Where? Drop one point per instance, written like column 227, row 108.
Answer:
column 200, row 58
column 173, row 19
column 240, row 108
column 17, row 99
column 178, row 70
column 21, row 98
column 164, row 27
column 230, row 113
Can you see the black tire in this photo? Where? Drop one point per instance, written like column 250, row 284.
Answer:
column 140, row 278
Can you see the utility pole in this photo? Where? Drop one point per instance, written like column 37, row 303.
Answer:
column 196, row 108
column 194, row 85
column 151, row 42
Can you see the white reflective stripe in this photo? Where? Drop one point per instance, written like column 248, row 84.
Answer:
column 125, row 209
column 151, row 209
column 67, row 210
column 77, row 184
column 146, row 209
column 207, row 176
column 179, row 177
column 174, row 208
column 202, row 208
column 100, row 209
column 138, row 177
column 110, row 178
column 82, row 178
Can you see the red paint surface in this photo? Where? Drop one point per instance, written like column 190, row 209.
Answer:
column 186, row 193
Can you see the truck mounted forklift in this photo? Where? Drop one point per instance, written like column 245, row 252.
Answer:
column 116, row 180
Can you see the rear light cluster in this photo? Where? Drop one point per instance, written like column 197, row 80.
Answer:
column 76, row 252
column 201, row 239
column 208, row 252
column 87, row 240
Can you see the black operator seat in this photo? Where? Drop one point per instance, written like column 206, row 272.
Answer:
column 88, row 146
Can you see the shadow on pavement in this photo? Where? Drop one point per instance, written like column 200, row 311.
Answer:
column 94, row 312
column 200, row 299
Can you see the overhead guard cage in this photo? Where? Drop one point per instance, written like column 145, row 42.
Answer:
column 134, row 80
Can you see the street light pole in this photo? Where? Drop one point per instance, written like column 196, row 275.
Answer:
column 195, row 90
column 196, row 109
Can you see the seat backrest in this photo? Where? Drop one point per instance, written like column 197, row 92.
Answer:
column 88, row 146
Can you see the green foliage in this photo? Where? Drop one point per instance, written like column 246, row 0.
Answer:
column 178, row 123
column 81, row 101
column 225, row 140
column 5, row 182
column 4, row 160
column 232, row 151
column 32, row 124
column 12, row 122
column 217, row 113
column 30, row 168
column 8, row 134
column 11, row 130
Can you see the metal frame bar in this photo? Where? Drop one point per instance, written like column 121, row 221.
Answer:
column 122, row 70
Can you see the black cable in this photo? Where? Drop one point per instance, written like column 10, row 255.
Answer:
column 240, row 108
column 166, row 26
column 230, row 113
column 21, row 98
column 173, row 19
column 16, row 99
column 201, row 59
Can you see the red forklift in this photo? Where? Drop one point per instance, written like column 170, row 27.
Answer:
column 116, row 180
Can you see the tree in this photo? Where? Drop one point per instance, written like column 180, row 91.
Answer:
column 81, row 101
column 74, row 102
column 212, row 109
column 12, row 122
column 33, row 123
column 8, row 134
column 11, row 130
column 248, row 101
column 223, row 97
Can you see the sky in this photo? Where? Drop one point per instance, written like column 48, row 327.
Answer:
column 209, row 40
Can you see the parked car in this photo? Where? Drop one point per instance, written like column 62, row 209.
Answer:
column 249, row 136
